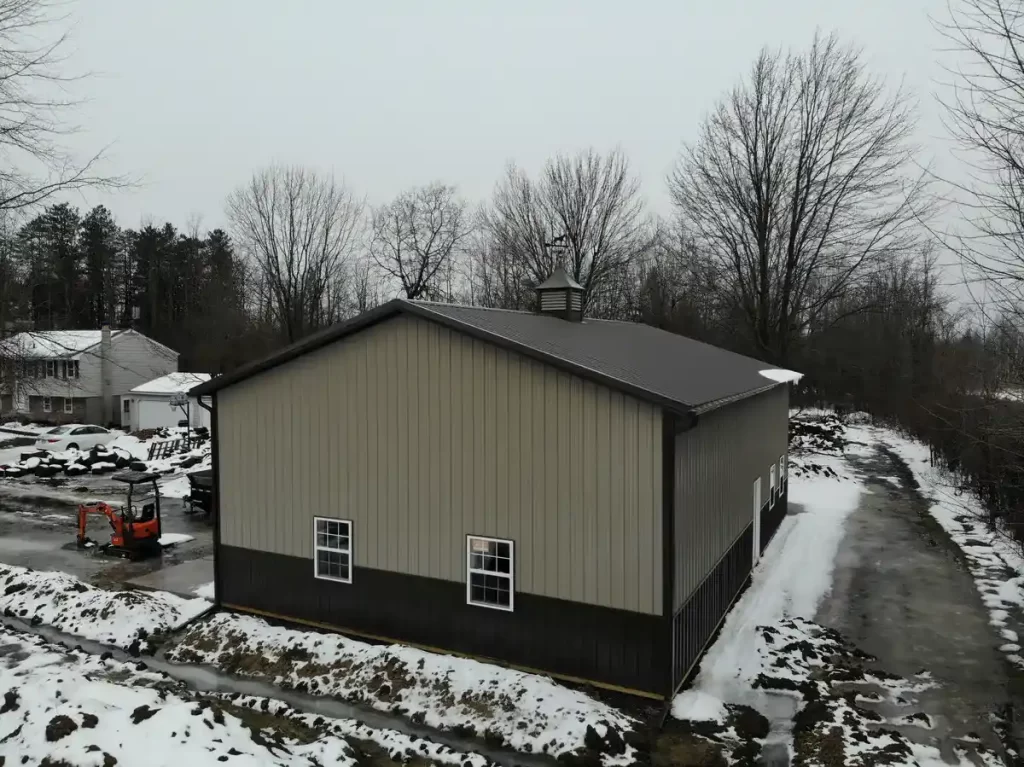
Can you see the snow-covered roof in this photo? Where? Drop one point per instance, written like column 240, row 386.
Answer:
column 172, row 383
column 51, row 343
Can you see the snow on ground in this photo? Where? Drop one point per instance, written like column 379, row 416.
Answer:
column 832, row 679
column 205, row 591
column 524, row 711
column 179, row 486
column 127, row 619
column 170, row 539
column 996, row 564
column 792, row 578
column 770, row 655
column 67, row 707
column 26, row 428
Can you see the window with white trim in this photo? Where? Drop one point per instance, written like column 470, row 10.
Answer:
column 47, row 405
column 490, row 572
column 782, row 472
column 771, row 486
column 332, row 549
column 51, row 368
column 69, row 405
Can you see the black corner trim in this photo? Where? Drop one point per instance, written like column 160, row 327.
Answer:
column 668, row 528
column 215, row 450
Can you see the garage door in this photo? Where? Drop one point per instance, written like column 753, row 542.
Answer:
column 155, row 413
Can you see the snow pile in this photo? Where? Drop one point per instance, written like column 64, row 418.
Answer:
column 781, row 376
column 817, row 432
column 523, row 711
column 42, row 463
column 172, row 539
column 131, row 620
column 205, row 591
column 30, row 429
column 67, row 707
column 995, row 563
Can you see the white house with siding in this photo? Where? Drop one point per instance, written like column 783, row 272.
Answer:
column 149, row 404
column 64, row 376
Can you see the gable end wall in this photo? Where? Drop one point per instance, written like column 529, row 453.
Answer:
column 421, row 435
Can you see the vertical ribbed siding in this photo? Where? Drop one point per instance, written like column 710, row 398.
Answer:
column 716, row 465
column 420, row 436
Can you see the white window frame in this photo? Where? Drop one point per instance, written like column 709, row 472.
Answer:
column 782, row 471
column 317, row 548
column 771, row 486
column 47, row 405
column 51, row 368
column 510, row 575
column 69, row 405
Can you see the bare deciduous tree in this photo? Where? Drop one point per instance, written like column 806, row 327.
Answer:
column 593, row 201
column 35, row 107
column 985, row 113
column 799, row 183
column 416, row 238
column 298, row 230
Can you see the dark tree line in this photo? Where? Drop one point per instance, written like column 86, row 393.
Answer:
column 800, row 232
column 65, row 270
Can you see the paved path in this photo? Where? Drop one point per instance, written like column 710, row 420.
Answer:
column 902, row 593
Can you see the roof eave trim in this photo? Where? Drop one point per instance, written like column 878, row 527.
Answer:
column 716, row 404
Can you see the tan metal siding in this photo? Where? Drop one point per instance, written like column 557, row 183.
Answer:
column 716, row 465
column 421, row 435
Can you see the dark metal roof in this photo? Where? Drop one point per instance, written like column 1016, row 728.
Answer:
column 559, row 279
column 668, row 369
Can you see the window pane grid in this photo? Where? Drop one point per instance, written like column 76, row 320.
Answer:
column 490, row 572
column 332, row 541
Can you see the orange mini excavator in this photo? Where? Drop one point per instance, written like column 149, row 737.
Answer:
column 135, row 529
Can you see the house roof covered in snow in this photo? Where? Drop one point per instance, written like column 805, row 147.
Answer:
column 651, row 364
column 172, row 383
column 56, row 344
column 34, row 344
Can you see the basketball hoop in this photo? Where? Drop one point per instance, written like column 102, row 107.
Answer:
column 179, row 400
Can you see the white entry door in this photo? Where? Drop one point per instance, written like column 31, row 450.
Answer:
column 757, row 520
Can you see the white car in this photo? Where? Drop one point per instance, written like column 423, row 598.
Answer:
column 73, row 436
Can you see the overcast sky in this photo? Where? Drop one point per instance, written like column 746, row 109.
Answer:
column 196, row 94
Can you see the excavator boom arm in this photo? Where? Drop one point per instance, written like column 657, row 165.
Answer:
column 85, row 509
